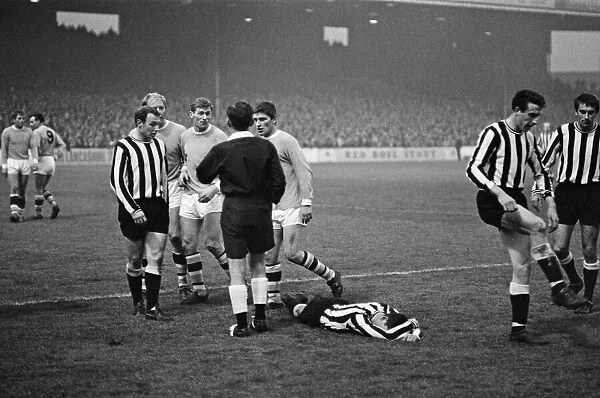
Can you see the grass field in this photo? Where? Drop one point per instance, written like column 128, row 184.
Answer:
column 402, row 233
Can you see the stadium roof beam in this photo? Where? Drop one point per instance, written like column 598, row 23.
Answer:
column 502, row 5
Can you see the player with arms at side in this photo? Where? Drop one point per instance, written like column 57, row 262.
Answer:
column 294, row 211
column 370, row 319
column 139, row 179
column 576, row 149
column 251, row 180
column 17, row 141
column 201, row 204
column 170, row 132
column 49, row 145
column 497, row 168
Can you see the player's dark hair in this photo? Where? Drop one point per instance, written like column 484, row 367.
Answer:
column 142, row 114
column 156, row 96
column 524, row 97
column 586, row 99
column 268, row 108
column 16, row 113
column 394, row 319
column 240, row 115
column 201, row 102
column 38, row 116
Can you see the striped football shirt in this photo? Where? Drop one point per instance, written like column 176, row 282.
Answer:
column 501, row 156
column 138, row 171
column 575, row 153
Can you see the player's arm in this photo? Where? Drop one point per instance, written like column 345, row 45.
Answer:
column 208, row 169
column 538, row 195
column 361, row 324
column 60, row 146
column 543, row 184
column 4, row 152
column 304, row 174
column 119, row 179
column 34, row 147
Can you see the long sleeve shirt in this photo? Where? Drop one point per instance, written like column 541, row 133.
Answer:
column 247, row 166
column 194, row 147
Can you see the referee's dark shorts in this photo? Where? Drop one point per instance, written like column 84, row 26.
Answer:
column 156, row 211
column 247, row 226
column 578, row 202
column 490, row 211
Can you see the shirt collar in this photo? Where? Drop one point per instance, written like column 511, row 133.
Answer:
column 240, row 134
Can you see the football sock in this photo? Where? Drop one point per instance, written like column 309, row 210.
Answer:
column 134, row 280
column 273, row 272
column 311, row 263
column 590, row 276
column 239, row 304
column 519, row 300
column 223, row 262
column 181, row 267
column 152, row 288
column 21, row 203
column 49, row 198
column 14, row 204
column 39, row 202
column 568, row 264
column 259, row 296
column 550, row 265
column 194, row 265
column 144, row 264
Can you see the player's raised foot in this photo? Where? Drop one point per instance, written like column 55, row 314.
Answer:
column 274, row 301
column 38, row 216
column 55, row 211
column 260, row 325
column 568, row 299
column 14, row 217
column 335, row 284
column 139, row 308
column 156, row 315
column 195, row 298
column 576, row 287
column 235, row 332
column 586, row 308
column 292, row 300
column 524, row 337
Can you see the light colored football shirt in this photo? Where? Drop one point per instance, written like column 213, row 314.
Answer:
column 194, row 147
column 47, row 140
column 170, row 134
column 16, row 143
column 298, row 175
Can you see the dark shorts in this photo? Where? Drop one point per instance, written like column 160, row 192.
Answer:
column 578, row 202
column 157, row 214
column 246, row 226
column 315, row 308
column 490, row 210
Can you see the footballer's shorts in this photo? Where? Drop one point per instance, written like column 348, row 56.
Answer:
column 175, row 192
column 157, row 215
column 287, row 217
column 311, row 315
column 46, row 166
column 195, row 210
column 246, row 225
column 490, row 211
column 578, row 202
column 18, row 166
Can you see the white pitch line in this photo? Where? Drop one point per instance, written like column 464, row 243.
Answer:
column 355, row 276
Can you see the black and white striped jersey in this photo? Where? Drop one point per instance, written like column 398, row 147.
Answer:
column 575, row 153
column 138, row 171
column 501, row 156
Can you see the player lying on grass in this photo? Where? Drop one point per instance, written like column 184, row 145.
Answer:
column 369, row 319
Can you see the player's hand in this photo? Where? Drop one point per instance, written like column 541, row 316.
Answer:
column 59, row 154
column 507, row 202
column 537, row 200
column 4, row 170
column 207, row 194
column 552, row 215
column 305, row 214
column 184, row 177
column 139, row 218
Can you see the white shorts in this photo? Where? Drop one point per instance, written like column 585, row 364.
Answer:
column 46, row 166
column 175, row 192
column 287, row 217
column 16, row 166
column 191, row 208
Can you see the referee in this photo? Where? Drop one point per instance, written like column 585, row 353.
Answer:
column 139, row 179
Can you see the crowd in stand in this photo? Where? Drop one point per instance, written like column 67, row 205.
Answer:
column 318, row 117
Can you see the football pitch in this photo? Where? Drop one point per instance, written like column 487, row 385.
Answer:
column 406, row 234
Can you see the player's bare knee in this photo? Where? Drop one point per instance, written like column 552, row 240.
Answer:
column 294, row 255
column 175, row 240
column 589, row 252
column 538, row 227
